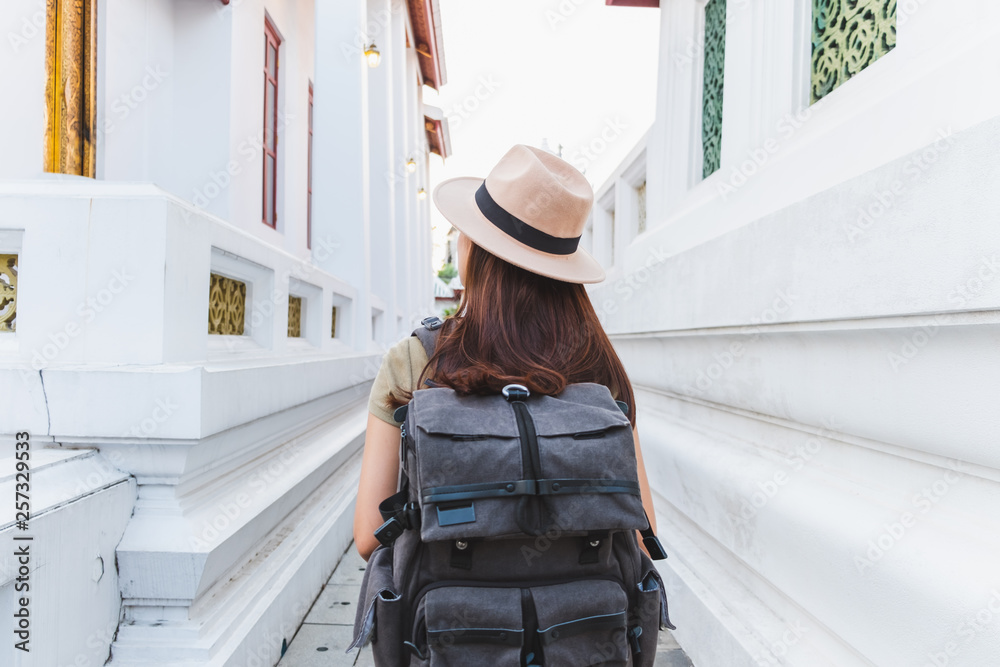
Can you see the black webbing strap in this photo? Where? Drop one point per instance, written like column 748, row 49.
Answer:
column 461, row 554
column 443, row 494
column 589, row 624
column 553, row 487
column 528, row 487
column 399, row 515
column 652, row 542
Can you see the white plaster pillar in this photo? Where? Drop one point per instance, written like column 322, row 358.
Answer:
column 418, row 146
column 381, row 166
column 341, row 215
column 671, row 140
column 403, row 191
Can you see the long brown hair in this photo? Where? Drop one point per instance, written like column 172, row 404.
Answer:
column 513, row 325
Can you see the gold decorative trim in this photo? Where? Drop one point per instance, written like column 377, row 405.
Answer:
column 70, row 88
column 294, row 317
column 8, row 292
column 227, row 305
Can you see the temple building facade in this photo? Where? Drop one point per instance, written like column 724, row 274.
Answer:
column 803, row 283
column 213, row 221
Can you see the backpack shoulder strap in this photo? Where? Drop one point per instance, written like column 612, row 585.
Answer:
column 428, row 333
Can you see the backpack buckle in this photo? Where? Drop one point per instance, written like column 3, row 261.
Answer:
column 653, row 546
column 433, row 322
column 515, row 392
column 389, row 531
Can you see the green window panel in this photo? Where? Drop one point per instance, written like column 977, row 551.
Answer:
column 712, row 85
column 848, row 36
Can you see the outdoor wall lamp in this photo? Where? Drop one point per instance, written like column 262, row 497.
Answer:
column 421, row 194
column 411, row 165
column 372, row 54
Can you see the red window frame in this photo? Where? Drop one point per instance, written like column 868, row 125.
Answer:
column 272, row 43
column 309, row 177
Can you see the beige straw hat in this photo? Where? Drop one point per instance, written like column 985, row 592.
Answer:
column 530, row 211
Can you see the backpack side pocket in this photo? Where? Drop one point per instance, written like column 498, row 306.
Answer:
column 651, row 614
column 378, row 619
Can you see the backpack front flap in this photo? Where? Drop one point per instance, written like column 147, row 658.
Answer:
column 486, row 467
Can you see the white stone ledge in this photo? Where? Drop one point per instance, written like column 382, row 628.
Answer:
column 719, row 619
column 926, row 391
column 244, row 618
column 807, row 533
column 173, row 552
column 173, row 401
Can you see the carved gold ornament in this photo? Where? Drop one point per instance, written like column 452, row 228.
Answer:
column 70, row 89
column 227, row 300
column 294, row 317
column 8, row 292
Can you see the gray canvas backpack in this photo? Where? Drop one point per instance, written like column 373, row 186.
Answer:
column 512, row 540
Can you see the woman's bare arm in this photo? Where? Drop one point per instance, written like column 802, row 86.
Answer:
column 379, row 474
column 647, row 495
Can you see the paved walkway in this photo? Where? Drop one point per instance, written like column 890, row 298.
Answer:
column 327, row 630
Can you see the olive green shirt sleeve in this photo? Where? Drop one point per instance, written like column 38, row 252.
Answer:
column 400, row 369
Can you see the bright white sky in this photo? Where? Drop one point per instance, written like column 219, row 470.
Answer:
column 561, row 70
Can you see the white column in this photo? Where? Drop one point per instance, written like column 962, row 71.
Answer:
column 414, row 116
column 403, row 140
column 341, row 216
column 382, row 167
column 671, row 141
